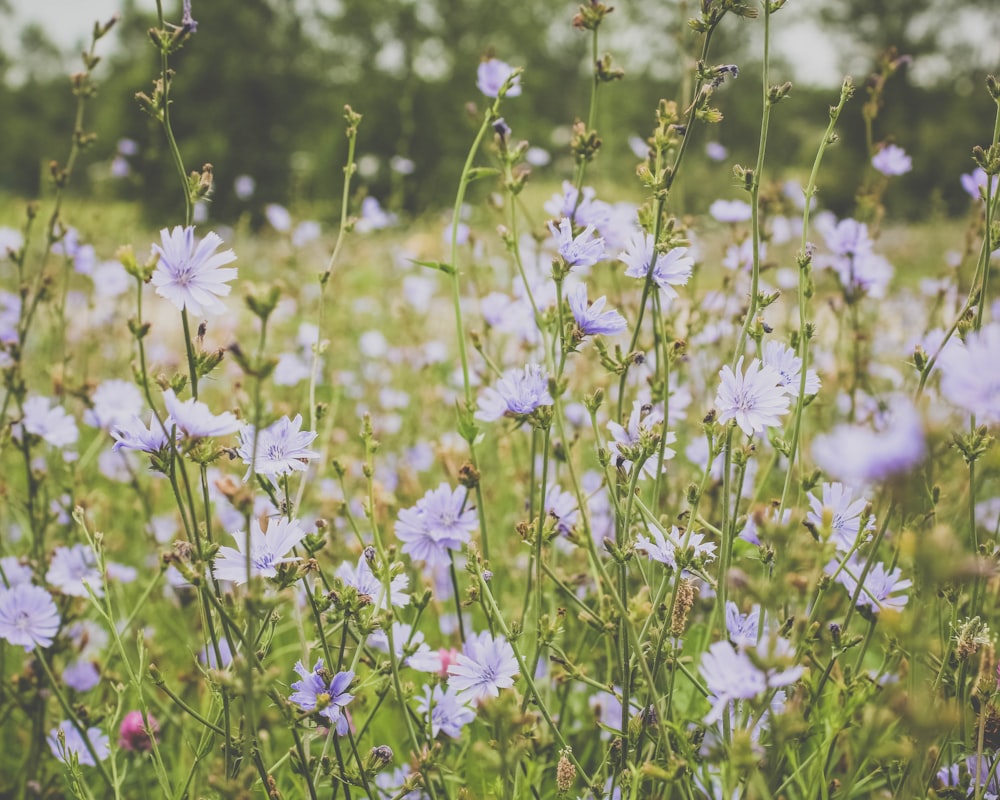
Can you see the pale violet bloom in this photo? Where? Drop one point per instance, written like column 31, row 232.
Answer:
column 373, row 217
column 562, row 507
column 409, row 645
column 860, row 455
column 49, row 422
column 281, row 449
column 583, row 250
column 66, row 741
column 841, row 512
column 193, row 419
column 892, row 160
column 970, row 377
column 28, row 616
column 731, row 675
column 328, row 693
column 643, row 422
column 486, row 666
column 591, row 318
column 278, row 217
column 73, row 570
column 305, row 232
column 448, row 713
column 740, row 256
column 975, row 184
column 366, row 583
column 882, row 588
column 440, row 522
column 582, row 210
column 663, row 547
column 671, row 269
column 716, row 151
column 244, row 186
column 268, row 550
column 492, row 74
column 115, row 402
column 755, row 399
column 742, row 628
column 730, row 211
column 789, row 366
column 190, row 273
column 133, row 434
column 517, row 394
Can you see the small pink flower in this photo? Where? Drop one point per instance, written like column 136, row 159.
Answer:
column 132, row 734
column 449, row 656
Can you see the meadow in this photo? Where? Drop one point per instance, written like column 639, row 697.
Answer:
column 566, row 491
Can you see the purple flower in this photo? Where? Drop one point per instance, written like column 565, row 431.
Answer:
column 975, row 184
column 49, row 422
column 133, row 735
column 73, row 570
column 188, row 24
column 782, row 358
column 591, row 318
column 671, row 269
column 448, row 713
column 281, row 448
column 663, row 548
column 729, row 675
column 134, row 435
column 410, row 648
column 892, row 160
column 859, row 455
column 28, row 616
column 841, row 513
column 969, row 377
column 756, row 399
column 491, row 76
column 268, row 550
column 72, row 743
column 325, row 694
column 586, row 210
column 279, row 218
column 582, row 251
column 364, row 581
column 81, row 676
column 516, row 394
column 190, row 273
column 438, row 523
column 562, row 507
column 114, row 402
column 630, row 440
column 244, row 186
column 487, row 666
column 716, row 151
column 730, row 210
column 193, row 419
column 742, row 628
column 880, row 587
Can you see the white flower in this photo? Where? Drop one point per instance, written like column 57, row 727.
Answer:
column 51, row 423
column 268, row 550
column 783, row 359
column 189, row 273
column 756, row 400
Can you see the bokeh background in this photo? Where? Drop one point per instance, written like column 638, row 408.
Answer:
column 261, row 88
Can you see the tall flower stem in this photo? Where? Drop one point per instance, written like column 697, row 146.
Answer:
column 175, row 153
column 755, row 188
column 805, row 284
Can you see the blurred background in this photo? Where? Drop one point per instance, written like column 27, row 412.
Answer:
column 260, row 90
